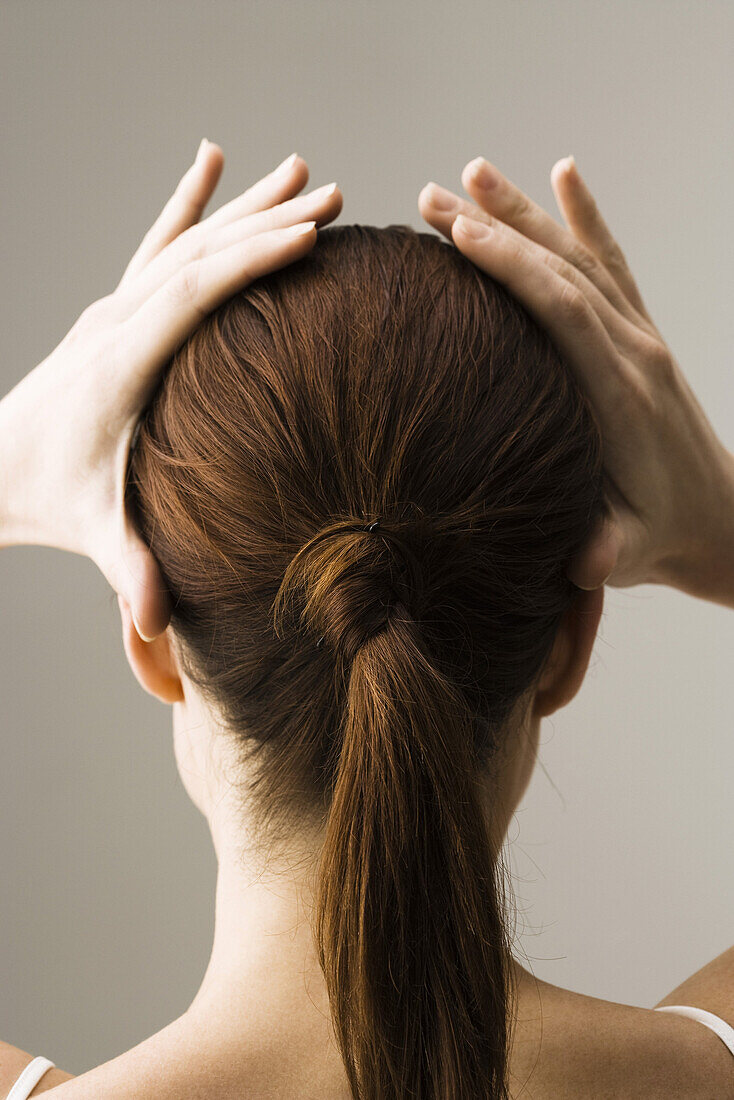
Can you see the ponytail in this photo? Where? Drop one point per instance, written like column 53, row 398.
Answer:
column 409, row 928
column 382, row 371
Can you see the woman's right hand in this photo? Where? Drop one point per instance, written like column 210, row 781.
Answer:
column 669, row 479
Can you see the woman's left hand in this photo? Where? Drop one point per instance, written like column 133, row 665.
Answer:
column 66, row 428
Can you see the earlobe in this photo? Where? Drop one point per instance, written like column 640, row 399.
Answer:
column 568, row 661
column 153, row 663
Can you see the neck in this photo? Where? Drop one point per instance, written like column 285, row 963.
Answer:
column 263, row 963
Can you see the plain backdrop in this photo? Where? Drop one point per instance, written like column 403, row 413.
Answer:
column 621, row 849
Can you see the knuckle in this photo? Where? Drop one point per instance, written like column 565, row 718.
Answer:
column 557, row 264
column 185, row 284
column 572, row 304
column 518, row 206
column 90, row 314
column 95, row 314
column 657, row 359
column 513, row 252
column 614, row 257
column 584, row 261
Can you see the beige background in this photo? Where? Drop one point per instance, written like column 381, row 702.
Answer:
column 622, row 847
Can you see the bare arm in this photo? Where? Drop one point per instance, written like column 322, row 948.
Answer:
column 670, row 479
column 66, row 427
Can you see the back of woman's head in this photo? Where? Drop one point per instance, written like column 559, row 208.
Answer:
column 370, row 674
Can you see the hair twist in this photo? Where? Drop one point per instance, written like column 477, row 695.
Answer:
column 349, row 593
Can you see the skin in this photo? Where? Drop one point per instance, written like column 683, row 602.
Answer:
column 260, row 1018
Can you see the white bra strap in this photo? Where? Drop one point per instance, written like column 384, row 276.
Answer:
column 29, row 1078
column 723, row 1030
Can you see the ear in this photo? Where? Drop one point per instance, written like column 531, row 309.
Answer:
column 568, row 660
column 153, row 663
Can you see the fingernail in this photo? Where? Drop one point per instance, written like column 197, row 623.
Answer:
column 440, row 197
column 470, row 227
column 300, row 230
column 482, row 174
column 200, row 150
column 324, row 192
column 571, row 165
column 286, row 166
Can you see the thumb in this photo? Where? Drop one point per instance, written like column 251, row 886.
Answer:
column 145, row 590
column 597, row 559
column 132, row 570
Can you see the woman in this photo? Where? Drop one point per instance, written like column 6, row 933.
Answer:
column 359, row 530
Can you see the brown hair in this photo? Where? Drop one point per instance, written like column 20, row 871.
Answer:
column 371, row 673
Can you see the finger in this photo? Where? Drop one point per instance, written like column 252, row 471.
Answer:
column 133, row 572
column 616, row 550
column 595, row 562
column 153, row 333
column 184, row 208
column 286, row 180
column 142, row 585
column 622, row 330
column 321, row 206
column 560, row 307
column 579, row 209
column 501, row 198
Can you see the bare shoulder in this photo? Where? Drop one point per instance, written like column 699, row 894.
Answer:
column 568, row 1046
column 12, row 1063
